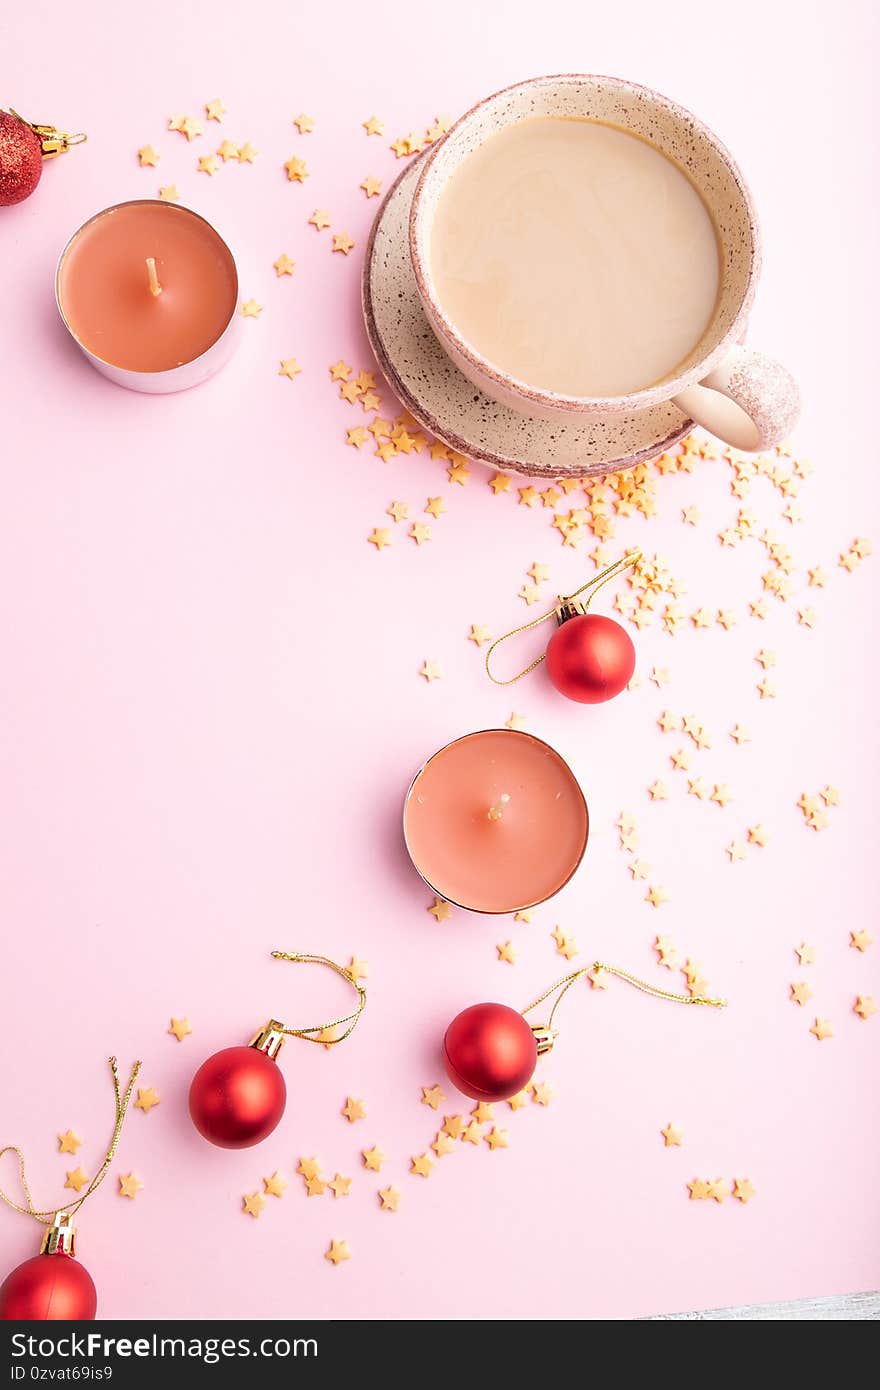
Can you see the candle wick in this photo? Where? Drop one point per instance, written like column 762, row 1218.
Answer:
column 155, row 287
column 497, row 812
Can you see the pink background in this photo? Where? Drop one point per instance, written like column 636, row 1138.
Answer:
column 210, row 709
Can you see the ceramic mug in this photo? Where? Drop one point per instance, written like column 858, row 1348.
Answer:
column 746, row 399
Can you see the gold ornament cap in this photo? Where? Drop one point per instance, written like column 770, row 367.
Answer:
column 569, row 608
column 60, row 1239
column 53, row 142
column 545, row 1037
column 269, row 1038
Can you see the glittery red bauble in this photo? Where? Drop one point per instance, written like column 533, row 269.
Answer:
column 590, row 658
column 48, row 1288
column 237, row 1097
column 21, row 159
column 490, row 1052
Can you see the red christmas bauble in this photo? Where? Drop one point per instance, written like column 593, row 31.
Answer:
column 490, row 1052
column 237, row 1097
column 590, row 658
column 48, row 1288
column 21, row 159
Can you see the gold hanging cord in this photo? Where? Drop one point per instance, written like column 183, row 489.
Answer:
column 46, row 1218
column 566, row 601
column 303, row 958
column 598, row 966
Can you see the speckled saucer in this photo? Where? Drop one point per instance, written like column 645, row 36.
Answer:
column 447, row 405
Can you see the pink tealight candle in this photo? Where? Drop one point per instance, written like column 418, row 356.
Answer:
column 149, row 290
column 496, row 821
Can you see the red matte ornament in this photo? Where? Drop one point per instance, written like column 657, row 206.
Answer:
column 237, row 1097
column 590, row 658
column 48, row 1288
column 490, row 1052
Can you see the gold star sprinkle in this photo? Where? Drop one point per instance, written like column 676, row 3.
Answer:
column 379, row 538
column 215, row 110
column 372, row 187
column 358, row 969
column 718, row 1189
column 275, row 1186
column 472, row 1133
column 864, row 1006
column 656, row 896
column 479, row 635
column 228, row 150
column 308, row 1168
column 458, row 471
column 357, row 437
column 373, row 126
column 284, row 266
column 698, row 1189
column 443, row 1145
column 129, row 1185
column 421, row 1165
column 799, row 993
column 506, row 952
column 147, row 1098
column 523, row 916
column 821, row 1029
column 342, row 242
column 542, row 1094
column 208, row 164
column 740, row 735
column 672, row 1137
column 338, row 1251
column 597, row 978
column 181, row 1028
column 483, row 1112
column 169, row 193
column 289, row 368
column 496, row 1138
column 431, row 671
column 432, row 1096
column 354, row 1110
column 373, row 1158
column 666, row 952
column 251, row 309
column 805, row 954
column 860, row 940
column 304, row 124
column 690, row 515
column 191, row 128
column 340, row 1186
column 735, row 851
column 297, row 170
column 68, row 1142
column 315, row 1187
column 519, row 1100
column 721, row 794
column 319, row 219
column 757, row 835
column 148, row 157
column 500, row 483
column 743, row 1190
column 453, row 1125
column 247, row 153
column 419, row 533
column 830, row 795
column 340, row 371
column 515, row 721
column 389, row 1197
column 440, row 910
column 76, row 1179
column 657, row 791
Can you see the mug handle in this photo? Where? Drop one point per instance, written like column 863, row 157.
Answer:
column 750, row 401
